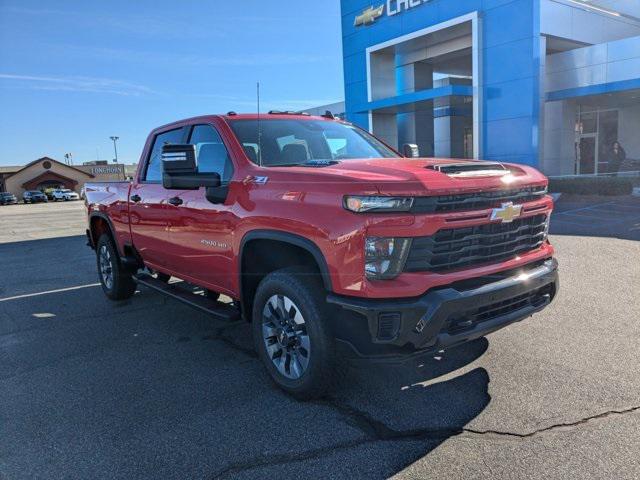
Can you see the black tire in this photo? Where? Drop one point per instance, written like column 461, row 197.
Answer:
column 117, row 283
column 301, row 287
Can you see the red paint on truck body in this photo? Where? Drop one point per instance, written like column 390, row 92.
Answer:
column 200, row 241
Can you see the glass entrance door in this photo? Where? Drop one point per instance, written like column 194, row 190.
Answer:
column 588, row 154
column 596, row 131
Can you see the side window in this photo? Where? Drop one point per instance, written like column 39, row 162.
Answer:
column 154, row 167
column 211, row 153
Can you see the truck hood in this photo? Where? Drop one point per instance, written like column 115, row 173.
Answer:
column 422, row 176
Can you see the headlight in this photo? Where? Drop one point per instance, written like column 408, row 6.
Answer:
column 361, row 204
column 385, row 257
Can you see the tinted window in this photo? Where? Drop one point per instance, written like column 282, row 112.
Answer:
column 295, row 142
column 154, row 167
column 211, row 153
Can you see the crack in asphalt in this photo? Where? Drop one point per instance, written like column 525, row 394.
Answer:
column 374, row 430
column 377, row 431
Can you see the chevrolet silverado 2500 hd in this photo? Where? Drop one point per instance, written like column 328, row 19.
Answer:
column 326, row 240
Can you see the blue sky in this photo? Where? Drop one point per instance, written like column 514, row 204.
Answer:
column 73, row 73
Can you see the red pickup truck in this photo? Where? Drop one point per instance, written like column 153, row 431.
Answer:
column 327, row 240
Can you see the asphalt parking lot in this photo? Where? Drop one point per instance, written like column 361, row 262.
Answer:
column 148, row 388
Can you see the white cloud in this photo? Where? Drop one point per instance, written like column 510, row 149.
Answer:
column 189, row 60
column 77, row 84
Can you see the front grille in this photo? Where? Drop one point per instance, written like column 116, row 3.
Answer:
column 476, row 201
column 463, row 247
column 469, row 319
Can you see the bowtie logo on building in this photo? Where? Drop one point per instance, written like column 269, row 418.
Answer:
column 369, row 16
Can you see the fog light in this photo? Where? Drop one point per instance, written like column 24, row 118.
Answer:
column 385, row 257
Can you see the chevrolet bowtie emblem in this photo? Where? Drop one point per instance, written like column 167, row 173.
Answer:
column 507, row 213
column 369, row 16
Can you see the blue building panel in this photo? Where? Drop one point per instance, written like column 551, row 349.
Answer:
column 509, row 86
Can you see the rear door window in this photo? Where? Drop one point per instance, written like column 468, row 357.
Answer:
column 153, row 172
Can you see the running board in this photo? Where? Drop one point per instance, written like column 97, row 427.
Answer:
column 221, row 311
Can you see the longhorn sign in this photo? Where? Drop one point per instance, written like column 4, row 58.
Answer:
column 369, row 16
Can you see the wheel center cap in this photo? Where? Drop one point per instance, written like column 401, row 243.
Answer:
column 284, row 338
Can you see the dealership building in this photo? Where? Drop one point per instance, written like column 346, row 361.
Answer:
column 548, row 83
column 45, row 173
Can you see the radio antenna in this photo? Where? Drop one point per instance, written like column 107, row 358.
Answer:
column 259, row 128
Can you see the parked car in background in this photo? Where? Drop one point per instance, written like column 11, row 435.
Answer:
column 7, row 198
column 65, row 194
column 34, row 196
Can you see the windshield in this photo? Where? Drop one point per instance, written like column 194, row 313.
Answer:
column 298, row 142
column 65, row 191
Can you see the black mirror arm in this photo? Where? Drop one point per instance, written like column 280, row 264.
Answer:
column 217, row 194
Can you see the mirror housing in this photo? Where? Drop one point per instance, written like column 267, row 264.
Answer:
column 410, row 150
column 180, row 171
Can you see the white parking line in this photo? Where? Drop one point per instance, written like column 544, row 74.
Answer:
column 27, row 295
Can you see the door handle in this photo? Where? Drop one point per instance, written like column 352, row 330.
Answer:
column 176, row 201
column 135, row 198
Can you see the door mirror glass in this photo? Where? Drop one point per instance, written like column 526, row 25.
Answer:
column 179, row 158
column 180, row 170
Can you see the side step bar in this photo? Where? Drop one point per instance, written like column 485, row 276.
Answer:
column 221, row 311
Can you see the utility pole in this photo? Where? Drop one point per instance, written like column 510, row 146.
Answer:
column 115, row 147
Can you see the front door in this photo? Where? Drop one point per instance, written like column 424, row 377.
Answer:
column 200, row 231
column 588, row 154
column 148, row 204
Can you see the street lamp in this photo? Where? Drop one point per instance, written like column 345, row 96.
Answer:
column 115, row 147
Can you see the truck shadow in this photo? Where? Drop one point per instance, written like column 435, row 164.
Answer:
column 172, row 394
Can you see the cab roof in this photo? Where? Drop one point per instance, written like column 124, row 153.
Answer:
column 231, row 116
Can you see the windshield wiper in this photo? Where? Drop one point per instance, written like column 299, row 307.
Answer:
column 310, row 163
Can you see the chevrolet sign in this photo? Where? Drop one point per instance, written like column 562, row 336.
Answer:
column 393, row 7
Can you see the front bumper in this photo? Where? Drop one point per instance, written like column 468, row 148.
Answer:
column 394, row 329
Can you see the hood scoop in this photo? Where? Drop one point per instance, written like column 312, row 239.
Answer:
column 471, row 169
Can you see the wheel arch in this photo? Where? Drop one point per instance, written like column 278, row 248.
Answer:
column 99, row 224
column 298, row 246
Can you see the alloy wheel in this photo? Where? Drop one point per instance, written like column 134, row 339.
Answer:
column 285, row 336
column 106, row 267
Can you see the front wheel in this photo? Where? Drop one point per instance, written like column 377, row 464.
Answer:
column 291, row 335
column 116, row 281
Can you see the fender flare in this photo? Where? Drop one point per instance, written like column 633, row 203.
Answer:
column 106, row 218
column 292, row 239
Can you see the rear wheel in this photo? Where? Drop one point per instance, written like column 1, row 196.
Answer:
column 290, row 333
column 116, row 281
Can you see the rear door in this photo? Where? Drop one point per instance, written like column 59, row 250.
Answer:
column 148, row 202
column 200, row 232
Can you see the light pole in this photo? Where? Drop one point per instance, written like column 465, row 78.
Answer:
column 115, row 147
